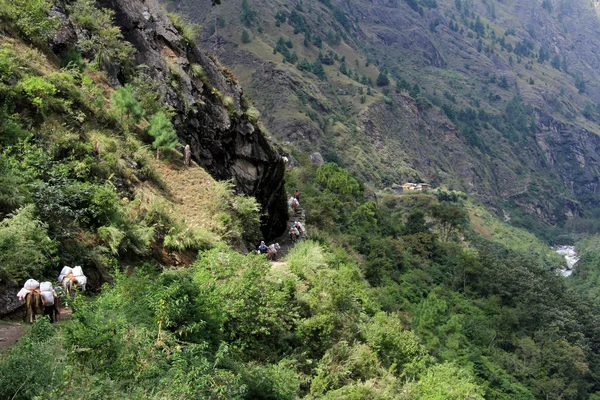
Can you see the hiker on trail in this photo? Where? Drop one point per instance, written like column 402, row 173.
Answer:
column 263, row 247
column 187, row 153
column 297, row 195
column 294, row 233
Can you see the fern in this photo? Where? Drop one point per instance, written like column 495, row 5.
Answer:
column 112, row 236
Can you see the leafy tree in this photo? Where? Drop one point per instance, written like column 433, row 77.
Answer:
column 450, row 219
column 415, row 223
column 161, row 129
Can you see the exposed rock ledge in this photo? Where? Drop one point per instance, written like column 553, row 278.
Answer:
column 226, row 143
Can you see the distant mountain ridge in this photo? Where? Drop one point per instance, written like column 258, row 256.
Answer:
column 498, row 99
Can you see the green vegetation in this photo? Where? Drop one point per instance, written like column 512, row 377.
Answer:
column 394, row 296
column 387, row 301
column 161, row 129
column 246, row 37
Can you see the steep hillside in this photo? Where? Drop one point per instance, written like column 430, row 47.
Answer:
column 499, row 99
column 78, row 183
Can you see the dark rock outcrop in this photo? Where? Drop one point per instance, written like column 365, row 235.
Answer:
column 8, row 299
column 209, row 110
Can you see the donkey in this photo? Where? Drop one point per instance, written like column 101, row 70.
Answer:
column 294, row 234
column 68, row 283
column 35, row 305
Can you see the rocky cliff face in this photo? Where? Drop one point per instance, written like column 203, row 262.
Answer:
column 223, row 138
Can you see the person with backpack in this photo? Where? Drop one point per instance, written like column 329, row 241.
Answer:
column 262, row 248
column 187, row 154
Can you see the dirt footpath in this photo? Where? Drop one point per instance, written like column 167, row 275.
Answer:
column 11, row 331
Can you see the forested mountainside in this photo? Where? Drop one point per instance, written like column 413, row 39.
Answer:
column 496, row 98
column 415, row 296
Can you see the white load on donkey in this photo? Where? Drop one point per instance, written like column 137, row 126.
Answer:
column 272, row 251
column 30, row 286
column 70, row 277
column 293, row 204
column 50, row 299
column 30, row 293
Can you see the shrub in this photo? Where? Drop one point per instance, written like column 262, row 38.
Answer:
column 247, row 210
column 25, row 248
column 190, row 31
column 38, row 90
column 30, row 17
column 100, row 40
column 73, row 57
column 34, row 365
column 181, row 238
column 275, row 381
column 445, row 382
column 196, row 71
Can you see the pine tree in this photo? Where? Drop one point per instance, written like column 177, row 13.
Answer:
column 382, row 79
column 318, row 70
column 161, row 129
column 246, row 37
column 124, row 103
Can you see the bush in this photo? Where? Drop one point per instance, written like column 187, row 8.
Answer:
column 190, row 31
column 25, row 248
column 38, row 90
column 161, row 129
column 34, row 365
column 181, row 238
column 445, row 382
column 30, row 17
column 100, row 39
column 275, row 381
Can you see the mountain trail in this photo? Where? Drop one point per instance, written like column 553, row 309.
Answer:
column 12, row 331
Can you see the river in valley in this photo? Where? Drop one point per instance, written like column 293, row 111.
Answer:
column 568, row 252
